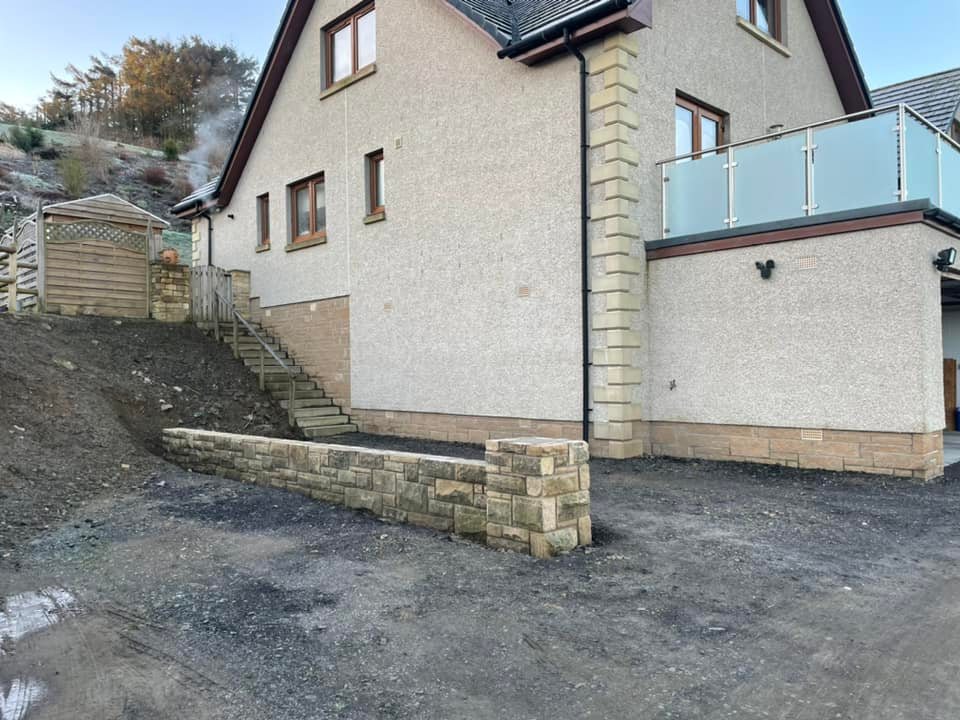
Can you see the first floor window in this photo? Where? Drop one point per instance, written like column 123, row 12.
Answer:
column 699, row 130
column 263, row 220
column 351, row 43
column 309, row 205
column 375, row 183
column 765, row 14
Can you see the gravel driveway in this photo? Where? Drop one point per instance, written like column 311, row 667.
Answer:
column 714, row 591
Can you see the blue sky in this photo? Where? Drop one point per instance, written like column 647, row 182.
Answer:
column 895, row 40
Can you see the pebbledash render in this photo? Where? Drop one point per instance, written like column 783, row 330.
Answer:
column 429, row 230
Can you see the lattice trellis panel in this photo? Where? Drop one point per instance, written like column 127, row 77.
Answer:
column 80, row 231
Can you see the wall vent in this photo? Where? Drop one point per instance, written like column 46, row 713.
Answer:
column 807, row 263
column 811, row 435
column 523, row 291
column 388, row 307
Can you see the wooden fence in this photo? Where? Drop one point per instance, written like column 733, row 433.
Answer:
column 206, row 281
column 18, row 270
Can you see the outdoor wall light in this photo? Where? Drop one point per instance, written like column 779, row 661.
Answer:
column 945, row 259
column 766, row 269
column 775, row 129
column 231, row 216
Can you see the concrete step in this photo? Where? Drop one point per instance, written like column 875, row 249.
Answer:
column 323, row 421
column 275, row 371
column 307, row 403
column 305, row 388
column 321, row 432
column 269, row 362
column 308, row 413
column 254, row 352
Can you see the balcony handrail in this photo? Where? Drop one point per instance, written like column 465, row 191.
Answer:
column 794, row 131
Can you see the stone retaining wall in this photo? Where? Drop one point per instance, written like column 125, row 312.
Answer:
column 531, row 495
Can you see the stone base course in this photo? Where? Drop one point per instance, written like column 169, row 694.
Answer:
column 473, row 429
column 539, row 487
column 908, row 455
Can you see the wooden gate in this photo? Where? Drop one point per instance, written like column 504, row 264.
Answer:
column 206, row 281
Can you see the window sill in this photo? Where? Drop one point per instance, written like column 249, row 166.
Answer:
column 348, row 81
column 375, row 217
column 301, row 244
column 764, row 38
column 262, row 248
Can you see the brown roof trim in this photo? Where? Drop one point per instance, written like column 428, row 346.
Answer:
column 840, row 54
column 799, row 233
column 636, row 17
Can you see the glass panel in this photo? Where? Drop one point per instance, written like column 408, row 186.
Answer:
column 684, row 119
column 264, row 220
column 696, row 196
column 367, row 39
column 303, row 212
column 856, row 165
column 709, row 133
column 379, row 200
column 922, row 171
column 343, row 53
column 951, row 179
column 743, row 9
column 321, row 197
column 770, row 181
column 765, row 14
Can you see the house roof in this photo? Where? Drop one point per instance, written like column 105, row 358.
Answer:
column 197, row 199
column 521, row 25
column 936, row 97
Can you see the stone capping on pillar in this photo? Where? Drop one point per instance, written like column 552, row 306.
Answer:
column 541, row 486
column 538, row 495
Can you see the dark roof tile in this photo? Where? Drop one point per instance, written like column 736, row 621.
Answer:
column 936, row 97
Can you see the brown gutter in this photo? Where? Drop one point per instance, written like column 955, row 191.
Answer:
column 778, row 236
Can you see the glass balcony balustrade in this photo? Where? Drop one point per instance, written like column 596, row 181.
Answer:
column 866, row 160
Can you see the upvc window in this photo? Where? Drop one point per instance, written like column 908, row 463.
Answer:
column 351, row 44
column 698, row 129
column 263, row 221
column 764, row 14
column 376, row 187
column 309, row 209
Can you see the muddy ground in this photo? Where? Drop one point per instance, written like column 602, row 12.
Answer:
column 82, row 403
column 714, row 591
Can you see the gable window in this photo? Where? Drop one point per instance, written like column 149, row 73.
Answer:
column 263, row 221
column 351, row 44
column 376, row 188
column 308, row 205
column 763, row 14
column 699, row 129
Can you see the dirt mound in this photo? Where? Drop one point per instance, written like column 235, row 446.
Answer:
column 83, row 402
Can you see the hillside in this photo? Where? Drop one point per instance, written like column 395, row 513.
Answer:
column 138, row 174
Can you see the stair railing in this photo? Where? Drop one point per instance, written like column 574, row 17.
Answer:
column 238, row 320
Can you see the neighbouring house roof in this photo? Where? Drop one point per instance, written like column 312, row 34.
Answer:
column 196, row 200
column 936, row 97
column 107, row 207
column 534, row 29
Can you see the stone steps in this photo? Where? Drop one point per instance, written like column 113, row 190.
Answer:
column 314, row 413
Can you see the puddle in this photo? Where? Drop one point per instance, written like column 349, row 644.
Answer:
column 21, row 696
column 31, row 612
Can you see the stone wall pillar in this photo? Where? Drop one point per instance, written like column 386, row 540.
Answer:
column 240, row 283
column 169, row 292
column 538, row 495
column 617, row 250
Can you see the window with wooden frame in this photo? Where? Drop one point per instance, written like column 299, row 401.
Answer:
column 308, row 204
column 765, row 15
column 699, row 129
column 263, row 221
column 376, row 190
column 351, row 43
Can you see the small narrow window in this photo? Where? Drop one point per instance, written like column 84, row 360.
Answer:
column 376, row 191
column 308, row 204
column 263, row 221
column 765, row 14
column 351, row 44
column 699, row 130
